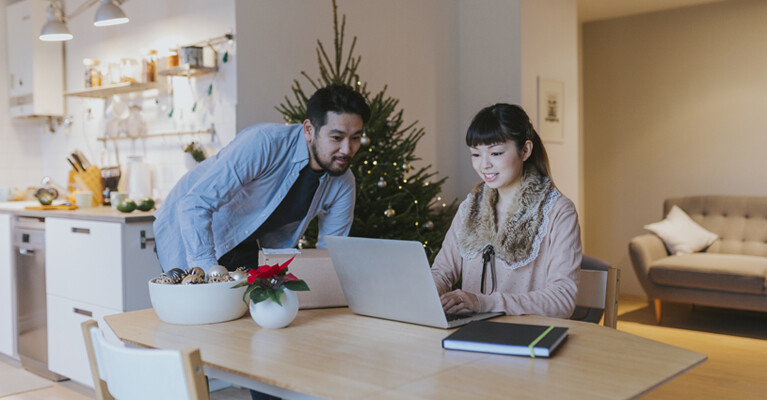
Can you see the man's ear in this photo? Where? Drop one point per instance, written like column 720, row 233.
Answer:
column 308, row 130
column 527, row 150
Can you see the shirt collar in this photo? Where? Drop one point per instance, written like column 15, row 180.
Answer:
column 301, row 154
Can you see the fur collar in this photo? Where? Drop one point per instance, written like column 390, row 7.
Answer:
column 518, row 239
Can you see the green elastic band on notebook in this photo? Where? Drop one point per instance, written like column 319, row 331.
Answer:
column 538, row 339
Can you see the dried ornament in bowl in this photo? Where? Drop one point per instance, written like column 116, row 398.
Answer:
column 196, row 275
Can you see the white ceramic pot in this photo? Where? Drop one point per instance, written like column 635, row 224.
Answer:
column 269, row 314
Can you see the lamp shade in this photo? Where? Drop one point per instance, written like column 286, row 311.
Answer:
column 55, row 31
column 109, row 13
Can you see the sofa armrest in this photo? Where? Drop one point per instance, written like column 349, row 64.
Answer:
column 643, row 250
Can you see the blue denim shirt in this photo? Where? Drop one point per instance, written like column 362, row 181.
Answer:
column 219, row 203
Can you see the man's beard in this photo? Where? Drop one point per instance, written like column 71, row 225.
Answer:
column 328, row 166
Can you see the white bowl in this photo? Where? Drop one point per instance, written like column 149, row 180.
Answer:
column 205, row 303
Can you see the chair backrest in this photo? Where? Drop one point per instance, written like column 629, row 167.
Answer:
column 130, row 373
column 597, row 292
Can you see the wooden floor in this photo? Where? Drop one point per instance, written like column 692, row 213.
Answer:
column 736, row 367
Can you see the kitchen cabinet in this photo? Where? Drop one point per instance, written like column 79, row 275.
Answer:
column 7, row 295
column 93, row 269
column 35, row 67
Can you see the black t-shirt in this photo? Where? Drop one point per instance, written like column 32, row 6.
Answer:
column 292, row 208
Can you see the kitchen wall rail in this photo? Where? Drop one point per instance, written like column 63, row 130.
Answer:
column 211, row 131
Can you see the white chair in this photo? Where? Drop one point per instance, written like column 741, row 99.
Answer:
column 597, row 292
column 130, row 373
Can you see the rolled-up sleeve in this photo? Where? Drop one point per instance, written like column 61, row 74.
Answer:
column 233, row 166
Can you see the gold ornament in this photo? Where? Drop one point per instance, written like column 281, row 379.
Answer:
column 381, row 183
column 389, row 212
column 428, row 225
column 365, row 140
column 302, row 242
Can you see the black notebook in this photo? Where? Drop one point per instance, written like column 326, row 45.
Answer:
column 506, row 338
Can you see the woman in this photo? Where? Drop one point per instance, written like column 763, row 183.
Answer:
column 515, row 241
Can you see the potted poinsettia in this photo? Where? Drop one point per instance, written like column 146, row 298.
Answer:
column 271, row 294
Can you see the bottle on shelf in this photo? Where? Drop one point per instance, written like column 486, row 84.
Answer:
column 92, row 73
column 149, row 66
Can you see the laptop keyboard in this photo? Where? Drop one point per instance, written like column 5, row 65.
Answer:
column 453, row 317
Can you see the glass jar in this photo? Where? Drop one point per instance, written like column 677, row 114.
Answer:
column 172, row 60
column 113, row 73
column 129, row 70
column 92, row 72
column 149, row 66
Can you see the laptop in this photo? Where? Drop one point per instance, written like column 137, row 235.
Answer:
column 391, row 279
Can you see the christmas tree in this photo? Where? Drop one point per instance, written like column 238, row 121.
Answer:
column 394, row 201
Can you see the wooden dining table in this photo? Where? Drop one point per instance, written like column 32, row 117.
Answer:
column 335, row 354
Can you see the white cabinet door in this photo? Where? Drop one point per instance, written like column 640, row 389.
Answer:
column 66, row 345
column 140, row 264
column 20, row 17
column 7, row 287
column 35, row 68
column 84, row 260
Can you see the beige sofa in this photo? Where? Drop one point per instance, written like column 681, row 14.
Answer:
column 730, row 273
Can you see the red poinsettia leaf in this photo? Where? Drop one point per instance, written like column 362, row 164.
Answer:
column 290, row 277
column 286, row 263
column 266, row 271
column 252, row 276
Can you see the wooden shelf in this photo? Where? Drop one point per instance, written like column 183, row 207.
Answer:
column 211, row 131
column 118, row 88
column 187, row 71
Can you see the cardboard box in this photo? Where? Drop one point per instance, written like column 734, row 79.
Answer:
column 316, row 268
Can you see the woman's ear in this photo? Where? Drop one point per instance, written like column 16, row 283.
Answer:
column 527, row 150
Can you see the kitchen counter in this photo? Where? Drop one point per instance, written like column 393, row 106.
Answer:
column 103, row 213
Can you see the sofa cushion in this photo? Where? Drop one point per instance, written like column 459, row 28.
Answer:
column 725, row 272
column 680, row 233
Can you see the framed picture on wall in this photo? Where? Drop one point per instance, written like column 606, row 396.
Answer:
column 551, row 110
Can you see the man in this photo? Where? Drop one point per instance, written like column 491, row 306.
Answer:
column 265, row 187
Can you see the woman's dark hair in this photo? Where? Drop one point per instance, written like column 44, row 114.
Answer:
column 336, row 98
column 501, row 122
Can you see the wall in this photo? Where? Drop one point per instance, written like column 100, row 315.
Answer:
column 407, row 45
column 550, row 51
column 20, row 157
column 490, row 71
column 673, row 105
column 160, row 25
column 444, row 60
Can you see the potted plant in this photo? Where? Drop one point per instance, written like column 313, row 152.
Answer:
column 271, row 294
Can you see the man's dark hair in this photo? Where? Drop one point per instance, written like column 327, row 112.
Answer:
column 342, row 99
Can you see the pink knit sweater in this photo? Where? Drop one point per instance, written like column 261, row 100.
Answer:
column 545, row 286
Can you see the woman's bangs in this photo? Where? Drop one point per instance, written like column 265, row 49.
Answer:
column 484, row 134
